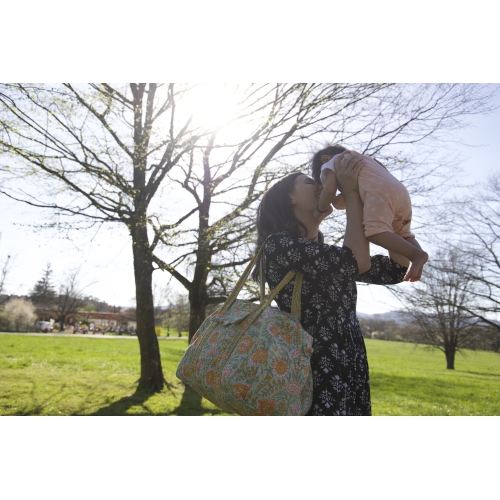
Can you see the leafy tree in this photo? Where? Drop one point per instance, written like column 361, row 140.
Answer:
column 43, row 293
column 177, row 314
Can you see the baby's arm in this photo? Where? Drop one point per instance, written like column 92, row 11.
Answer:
column 328, row 193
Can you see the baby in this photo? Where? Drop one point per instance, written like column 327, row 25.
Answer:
column 386, row 205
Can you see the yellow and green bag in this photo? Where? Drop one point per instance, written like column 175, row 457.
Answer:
column 251, row 358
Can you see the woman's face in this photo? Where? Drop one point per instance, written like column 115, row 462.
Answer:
column 305, row 194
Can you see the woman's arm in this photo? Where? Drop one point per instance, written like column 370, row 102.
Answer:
column 347, row 175
column 383, row 271
column 288, row 251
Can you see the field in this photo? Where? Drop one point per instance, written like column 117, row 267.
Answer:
column 97, row 376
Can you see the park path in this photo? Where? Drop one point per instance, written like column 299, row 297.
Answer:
column 96, row 336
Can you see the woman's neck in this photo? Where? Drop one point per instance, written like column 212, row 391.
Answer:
column 311, row 224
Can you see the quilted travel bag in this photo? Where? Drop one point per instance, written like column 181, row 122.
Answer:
column 251, row 358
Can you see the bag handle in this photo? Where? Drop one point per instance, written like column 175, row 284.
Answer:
column 265, row 302
column 296, row 290
column 237, row 289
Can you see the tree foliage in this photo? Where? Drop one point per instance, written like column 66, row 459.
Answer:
column 44, row 293
column 176, row 316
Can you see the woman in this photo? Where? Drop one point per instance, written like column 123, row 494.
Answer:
column 292, row 241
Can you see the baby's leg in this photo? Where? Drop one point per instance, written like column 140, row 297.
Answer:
column 408, row 248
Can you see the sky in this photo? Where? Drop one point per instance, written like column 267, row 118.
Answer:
column 105, row 258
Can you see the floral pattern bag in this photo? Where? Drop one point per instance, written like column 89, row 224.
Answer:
column 251, row 358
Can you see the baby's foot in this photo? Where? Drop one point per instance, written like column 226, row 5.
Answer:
column 414, row 272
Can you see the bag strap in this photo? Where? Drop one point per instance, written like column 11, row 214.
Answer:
column 297, row 290
column 237, row 289
column 266, row 302
column 262, row 280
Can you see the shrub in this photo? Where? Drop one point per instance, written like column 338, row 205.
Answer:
column 19, row 314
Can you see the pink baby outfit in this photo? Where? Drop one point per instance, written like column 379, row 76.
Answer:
column 386, row 202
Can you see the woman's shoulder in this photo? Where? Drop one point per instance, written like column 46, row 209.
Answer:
column 285, row 238
column 289, row 240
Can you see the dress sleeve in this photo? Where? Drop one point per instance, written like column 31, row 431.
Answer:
column 287, row 251
column 383, row 271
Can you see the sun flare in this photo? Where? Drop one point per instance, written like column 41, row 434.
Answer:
column 214, row 104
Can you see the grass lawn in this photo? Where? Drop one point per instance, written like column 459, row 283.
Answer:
column 411, row 380
column 97, row 376
column 88, row 376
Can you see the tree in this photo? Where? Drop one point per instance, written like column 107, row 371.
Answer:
column 102, row 152
column 4, row 272
column 70, row 297
column 478, row 222
column 224, row 176
column 177, row 314
column 43, row 293
column 19, row 314
column 5, row 268
column 440, row 303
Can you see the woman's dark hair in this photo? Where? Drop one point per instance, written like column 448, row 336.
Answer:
column 330, row 150
column 275, row 213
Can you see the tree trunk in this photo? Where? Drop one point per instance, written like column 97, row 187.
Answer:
column 62, row 320
column 198, row 296
column 450, row 358
column 151, row 378
column 198, row 301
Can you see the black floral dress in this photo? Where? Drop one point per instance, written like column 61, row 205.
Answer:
column 328, row 313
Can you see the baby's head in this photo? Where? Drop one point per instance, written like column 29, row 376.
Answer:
column 322, row 156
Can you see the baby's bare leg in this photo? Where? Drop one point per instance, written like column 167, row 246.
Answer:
column 408, row 248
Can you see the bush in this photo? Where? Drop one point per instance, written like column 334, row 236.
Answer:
column 18, row 315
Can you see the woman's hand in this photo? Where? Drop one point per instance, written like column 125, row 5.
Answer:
column 347, row 168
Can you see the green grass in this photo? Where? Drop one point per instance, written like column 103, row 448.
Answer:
column 173, row 333
column 90, row 376
column 411, row 380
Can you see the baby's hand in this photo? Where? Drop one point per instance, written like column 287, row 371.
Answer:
column 339, row 202
column 317, row 215
column 320, row 216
